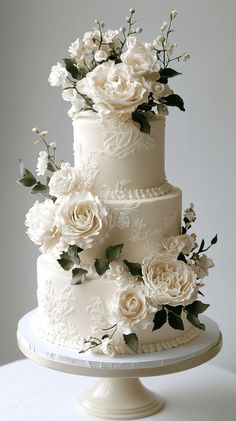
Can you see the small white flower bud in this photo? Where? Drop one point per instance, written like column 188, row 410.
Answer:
column 53, row 145
column 164, row 26
column 132, row 10
column 160, row 39
column 44, row 133
column 138, row 30
column 128, row 19
column 96, row 21
column 35, row 130
column 122, row 29
column 185, row 57
column 173, row 14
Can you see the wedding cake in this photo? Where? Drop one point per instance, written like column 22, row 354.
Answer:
column 118, row 272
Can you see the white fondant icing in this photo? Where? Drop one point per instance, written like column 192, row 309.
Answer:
column 65, row 312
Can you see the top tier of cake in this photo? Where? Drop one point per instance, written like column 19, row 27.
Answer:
column 127, row 162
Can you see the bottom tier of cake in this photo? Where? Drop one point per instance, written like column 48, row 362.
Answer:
column 67, row 314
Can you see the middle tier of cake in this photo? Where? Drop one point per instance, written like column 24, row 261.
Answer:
column 139, row 225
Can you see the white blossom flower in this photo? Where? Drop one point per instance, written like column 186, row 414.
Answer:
column 42, row 230
column 172, row 245
column 44, row 133
column 158, row 40
column 82, row 219
column 190, row 214
column 170, row 48
column 100, row 55
column 160, row 90
column 66, row 180
column 88, row 36
column 164, row 26
column 142, row 60
column 189, row 241
column 113, row 89
column 169, row 281
column 42, row 163
column 202, row 266
column 131, row 41
column 107, row 347
column 35, row 130
column 78, row 49
column 68, row 93
column 110, row 36
column 53, row 145
column 78, row 104
column 58, row 75
column 184, row 57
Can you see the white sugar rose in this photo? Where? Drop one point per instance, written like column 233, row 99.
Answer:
column 113, row 89
column 82, row 219
column 143, row 61
column 58, row 75
column 42, row 230
column 170, row 245
column 42, row 163
column 130, row 306
column 169, row 281
column 202, row 266
column 65, row 181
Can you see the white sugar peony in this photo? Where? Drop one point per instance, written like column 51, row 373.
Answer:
column 170, row 245
column 82, row 219
column 58, row 75
column 202, row 265
column 42, row 163
column 169, row 281
column 113, row 89
column 42, row 230
column 143, row 61
column 66, row 180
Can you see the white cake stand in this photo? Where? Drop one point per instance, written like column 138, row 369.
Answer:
column 119, row 394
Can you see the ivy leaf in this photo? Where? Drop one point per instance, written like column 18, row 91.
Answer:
column 173, row 100
column 71, row 67
column 27, row 181
column 65, row 261
column 40, row 188
column 114, row 252
column 168, row 73
column 194, row 320
column 134, row 268
column 159, row 319
column 175, row 321
column 142, row 120
column 50, row 167
column 78, row 276
column 131, row 341
column 214, row 240
column 73, row 252
column 101, row 266
column 177, row 310
column 197, row 307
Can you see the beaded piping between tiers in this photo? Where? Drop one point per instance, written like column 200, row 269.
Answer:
column 107, row 193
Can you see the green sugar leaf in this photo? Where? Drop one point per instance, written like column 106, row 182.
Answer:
column 159, row 319
column 114, row 252
column 134, row 268
column 131, row 341
column 101, row 266
column 78, row 276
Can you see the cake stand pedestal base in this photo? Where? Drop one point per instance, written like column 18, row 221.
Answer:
column 119, row 394
column 120, row 399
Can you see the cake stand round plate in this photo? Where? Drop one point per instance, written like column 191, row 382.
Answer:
column 119, row 394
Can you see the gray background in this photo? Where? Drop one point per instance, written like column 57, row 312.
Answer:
column 200, row 143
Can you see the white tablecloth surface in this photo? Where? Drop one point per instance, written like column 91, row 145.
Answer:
column 29, row 392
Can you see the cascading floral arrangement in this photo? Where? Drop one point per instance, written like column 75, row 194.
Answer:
column 112, row 73
column 102, row 77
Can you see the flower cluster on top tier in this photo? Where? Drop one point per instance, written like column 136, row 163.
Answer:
column 114, row 74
